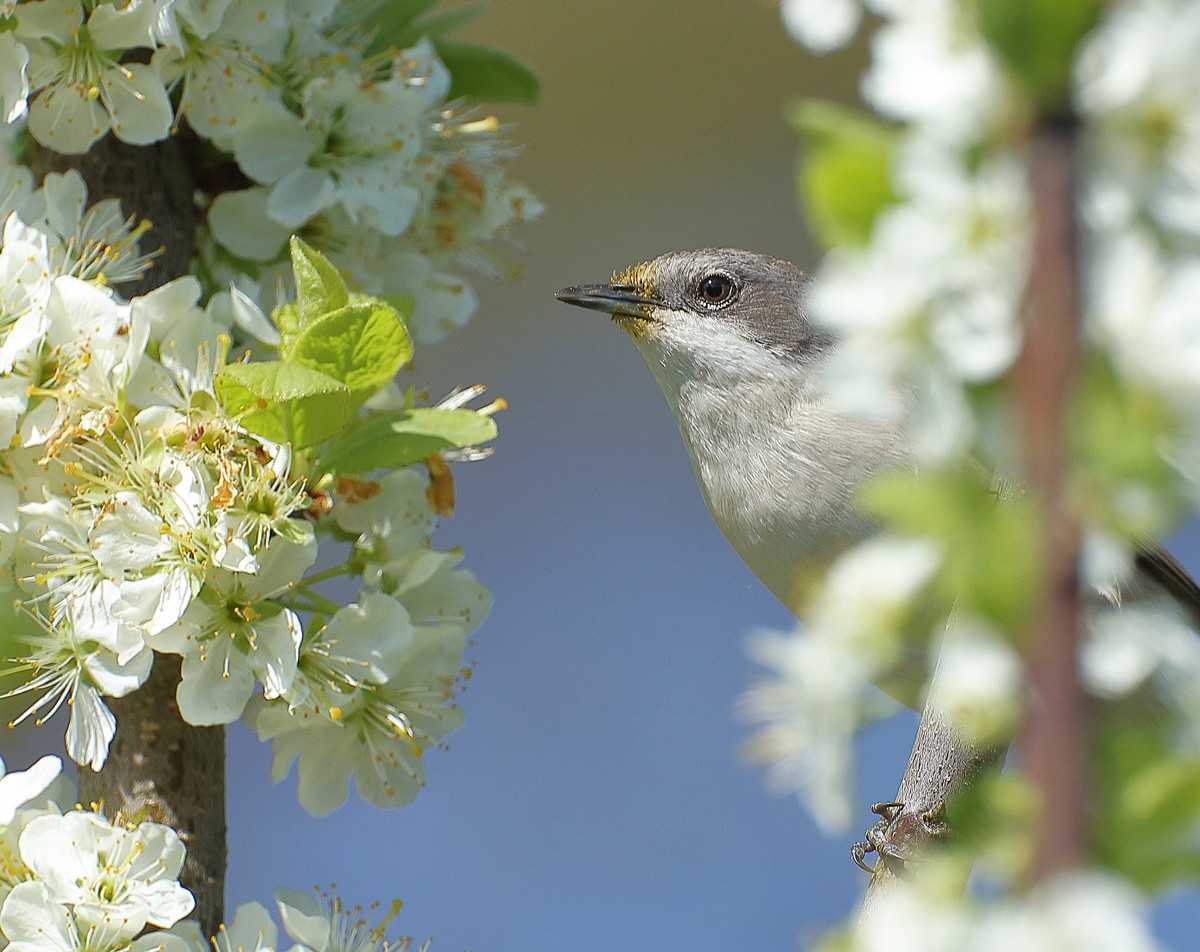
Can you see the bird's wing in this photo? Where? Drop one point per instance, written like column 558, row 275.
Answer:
column 1158, row 564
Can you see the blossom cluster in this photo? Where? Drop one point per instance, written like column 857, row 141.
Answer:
column 316, row 922
column 923, row 293
column 323, row 124
column 158, row 496
column 70, row 879
column 1080, row 910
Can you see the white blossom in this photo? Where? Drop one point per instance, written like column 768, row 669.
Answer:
column 367, row 138
column 114, row 879
column 253, row 930
column 232, row 634
column 83, row 90
column 979, row 680
column 374, row 698
column 821, row 25
column 34, row 922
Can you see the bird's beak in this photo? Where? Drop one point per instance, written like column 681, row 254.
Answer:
column 612, row 299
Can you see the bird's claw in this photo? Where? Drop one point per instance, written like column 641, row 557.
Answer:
column 899, row 833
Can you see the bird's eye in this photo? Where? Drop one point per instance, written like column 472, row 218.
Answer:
column 717, row 289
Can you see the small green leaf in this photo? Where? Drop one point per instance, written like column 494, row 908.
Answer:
column 487, row 75
column 1037, row 41
column 403, row 304
column 287, row 403
column 287, row 318
column 397, row 439
column 1120, row 434
column 276, row 381
column 362, row 345
column 844, row 176
column 319, row 287
column 992, row 565
column 393, row 35
column 393, row 19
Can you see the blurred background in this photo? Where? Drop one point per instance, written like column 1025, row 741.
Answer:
column 594, row 800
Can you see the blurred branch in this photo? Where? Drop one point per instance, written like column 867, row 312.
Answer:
column 1053, row 736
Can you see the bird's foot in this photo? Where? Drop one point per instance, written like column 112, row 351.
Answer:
column 899, row 835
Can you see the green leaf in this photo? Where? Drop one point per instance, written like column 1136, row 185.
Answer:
column 397, row 36
column 362, row 345
column 1037, row 40
column 397, row 439
column 276, row 382
column 1148, row 799
column 844, row 176
column 1119, row 435
column 319, row 287
column 993, row 544
column 393, row 20
column 487, row 75
column 287, row 403
column 287, row 318
column 403, row 304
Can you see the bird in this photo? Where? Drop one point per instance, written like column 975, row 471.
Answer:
column 726, row 334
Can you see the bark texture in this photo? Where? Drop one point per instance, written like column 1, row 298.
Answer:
column 158, row 766
column 942, row 762
column 154, row 182
column 173, row 773
column 1053, row 737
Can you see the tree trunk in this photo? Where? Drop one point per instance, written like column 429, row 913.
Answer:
column 158, row 765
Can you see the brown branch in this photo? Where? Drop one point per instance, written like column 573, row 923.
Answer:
column 169, row 772
column 1053, row 735
column 158, row 765
column 153, row 182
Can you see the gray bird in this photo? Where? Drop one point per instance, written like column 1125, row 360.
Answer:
column 725, row 334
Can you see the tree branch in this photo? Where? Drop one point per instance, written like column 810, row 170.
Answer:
column 942, row 762
column 1053, row 737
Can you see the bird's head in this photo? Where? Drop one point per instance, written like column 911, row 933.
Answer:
column 708, row 303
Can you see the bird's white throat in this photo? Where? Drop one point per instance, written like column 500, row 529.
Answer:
column 777, row 464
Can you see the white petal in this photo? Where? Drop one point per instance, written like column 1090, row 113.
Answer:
column 33, row 922
column 303, row 918
column 216, row 684
column 21, row 786
column 251, row 319
column 274, row 652
column 272, row 145
column 91, row 729
column 114, row 27
column 160, row 941
column 239, row 221
column 253, row 928
column 301, row 194
column 138, row 106
column 66, row 118
column 14, row 83
column 115, row 679
column 127, row 538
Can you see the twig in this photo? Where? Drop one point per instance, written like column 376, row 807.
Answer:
column 942, row 762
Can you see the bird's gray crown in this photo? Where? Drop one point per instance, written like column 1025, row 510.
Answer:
column 762, row 296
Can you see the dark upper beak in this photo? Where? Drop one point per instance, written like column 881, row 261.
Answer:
column 611, row 298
